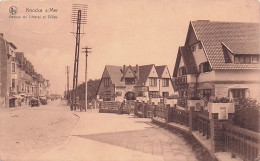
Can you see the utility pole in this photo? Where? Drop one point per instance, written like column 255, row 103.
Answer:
column 86, row 73
column 79, row 16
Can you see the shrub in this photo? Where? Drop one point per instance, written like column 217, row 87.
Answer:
column 219, row 100
column 194, row 98
column 172, row 96
column 247, row 114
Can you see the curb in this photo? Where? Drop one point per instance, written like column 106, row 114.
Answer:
column 68, row 139
column 164, row 124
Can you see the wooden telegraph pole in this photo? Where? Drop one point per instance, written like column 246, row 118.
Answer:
column 86, row 73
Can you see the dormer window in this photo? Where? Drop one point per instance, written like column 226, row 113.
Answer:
column 246, row 59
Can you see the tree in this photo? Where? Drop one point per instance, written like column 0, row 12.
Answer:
column 247, row 114
column 92, row 90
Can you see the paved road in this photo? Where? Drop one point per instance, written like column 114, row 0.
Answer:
column 113, row 137
column 29, row 132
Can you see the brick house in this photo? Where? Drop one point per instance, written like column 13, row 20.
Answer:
column 119, row 82
column 218, row 59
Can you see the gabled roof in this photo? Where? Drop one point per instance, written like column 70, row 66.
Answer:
column 188, row 59
column 159, row 70
column 144, row 72
column 115, row 74
column 212, row 34
column 133, row 71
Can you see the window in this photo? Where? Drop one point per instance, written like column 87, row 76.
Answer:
column 13, row 67
column 106, row 82
column 13, row 83
column 255, row 59
column 206, row 93
column 204, row 67
column 246, row 59
column 165, row 82
column 129, row 80
column 236, row 59
column 153, row 82
column 193, row 48
column 182, row 71
column 153, row 93
column 238, row 93
column 140, row 94
column 165, row 94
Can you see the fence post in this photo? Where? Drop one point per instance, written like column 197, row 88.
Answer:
column 167, row 112
column 145, row 109
column 192, row 119
column 217, row 134
column 135, row 110
column 153, row 111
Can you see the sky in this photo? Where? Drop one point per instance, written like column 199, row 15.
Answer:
column 120, row 32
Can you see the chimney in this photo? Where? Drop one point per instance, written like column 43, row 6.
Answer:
column 137, row 71
column 2, row 35
column 124, row 69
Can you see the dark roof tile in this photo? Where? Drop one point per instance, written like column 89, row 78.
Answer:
column 212, row 34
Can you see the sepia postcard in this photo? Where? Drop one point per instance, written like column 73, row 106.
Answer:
column 129, row 80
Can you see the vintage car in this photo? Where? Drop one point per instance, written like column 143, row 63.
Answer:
column 43, row 100
column 34, row 102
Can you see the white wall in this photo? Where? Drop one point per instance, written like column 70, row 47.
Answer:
column 237, row 75
column 199, row 56
column 207, row 77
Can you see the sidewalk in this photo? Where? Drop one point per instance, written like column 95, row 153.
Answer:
column 113, row 137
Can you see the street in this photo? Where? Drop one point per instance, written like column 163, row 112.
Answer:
column 29, row 132
column 52, row 132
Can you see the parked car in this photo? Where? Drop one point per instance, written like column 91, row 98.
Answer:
column 34, row 102
column 43, row 100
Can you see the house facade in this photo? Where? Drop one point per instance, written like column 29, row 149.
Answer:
column 219, row 59
column 128, row 82
column 18, row 79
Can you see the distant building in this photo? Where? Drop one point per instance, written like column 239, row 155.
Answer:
column 119, row 82
column 8, row 76
column 218, row 59
column 18, row 79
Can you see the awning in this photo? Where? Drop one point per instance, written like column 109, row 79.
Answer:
column 206, row 86
column 238, row 86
